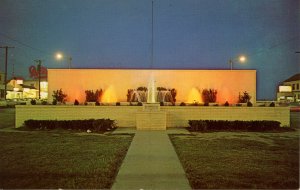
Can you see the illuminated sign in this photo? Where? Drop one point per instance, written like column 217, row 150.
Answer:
column 19, row 81
column 34, row 72
column 285, row 89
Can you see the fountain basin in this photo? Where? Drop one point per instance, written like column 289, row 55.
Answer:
column 151, row 118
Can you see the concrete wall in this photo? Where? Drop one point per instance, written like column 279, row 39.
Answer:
column 177, row 116
column 188, row 83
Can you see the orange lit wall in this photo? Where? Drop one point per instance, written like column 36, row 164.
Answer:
column 188, row 83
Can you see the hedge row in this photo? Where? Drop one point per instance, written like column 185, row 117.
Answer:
column 224, row 125
column 95, row 125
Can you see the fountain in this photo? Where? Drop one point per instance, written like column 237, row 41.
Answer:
column 151, row 91
column 151, row 117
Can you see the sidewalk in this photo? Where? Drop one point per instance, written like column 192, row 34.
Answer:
column 151, row 163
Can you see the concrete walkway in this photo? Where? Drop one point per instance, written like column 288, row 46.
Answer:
column 151, row 163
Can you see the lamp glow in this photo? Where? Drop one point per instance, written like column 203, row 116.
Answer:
column 242, row 59
column 59, row 56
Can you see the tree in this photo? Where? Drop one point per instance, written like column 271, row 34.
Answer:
column 245, row 98
column 209, row 95
column 59, row 96
column 91, row 96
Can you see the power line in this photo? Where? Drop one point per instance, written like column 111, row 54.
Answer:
column 23, row 44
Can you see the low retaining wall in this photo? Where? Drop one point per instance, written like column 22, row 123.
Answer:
column 176, row 116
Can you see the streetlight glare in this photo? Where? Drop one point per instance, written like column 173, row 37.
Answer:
column 242, row 59
column 59, row 56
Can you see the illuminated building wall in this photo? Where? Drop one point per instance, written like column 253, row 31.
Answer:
column 188, row 83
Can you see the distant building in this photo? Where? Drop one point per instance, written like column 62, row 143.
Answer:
column 289, row 90
column 18, row 88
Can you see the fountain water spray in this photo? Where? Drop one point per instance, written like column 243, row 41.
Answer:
column 151, row 90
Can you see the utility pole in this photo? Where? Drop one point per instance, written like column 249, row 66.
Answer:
column 39, row 62
column 5, row 77
column 152, row 39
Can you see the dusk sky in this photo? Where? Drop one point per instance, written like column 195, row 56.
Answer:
column 188, row 34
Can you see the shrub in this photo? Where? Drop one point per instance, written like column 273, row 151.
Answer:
column 95, row 125
column 142, row 88
column 226, row 103
column 224, row 125
column 272, row 104
column 182, row 104
column 76, row 102
column 97, row 103
column 54, row 102
column 118, row 103
column 161, row 103
column 209, row 95
column 249, row 104
column 206, row 104
column 173, row 93
column 140, row 104
column 244, row 98
column 161, row 89
column 44, row 102
column 197, row 125
column 33, row 102
column 59, row 96
column 91, row 96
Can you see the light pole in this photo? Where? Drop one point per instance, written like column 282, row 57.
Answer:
column 39, row 62
column 241, row 59
column 60, row 56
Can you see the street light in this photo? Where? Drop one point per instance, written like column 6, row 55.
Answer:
column 39, row 65
column 60, row 56
column 241, row 59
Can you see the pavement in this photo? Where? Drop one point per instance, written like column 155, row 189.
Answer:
column 151, row 162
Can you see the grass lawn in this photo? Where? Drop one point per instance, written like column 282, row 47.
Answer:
column 7, row 117
column 231, row 160
column 60, row 159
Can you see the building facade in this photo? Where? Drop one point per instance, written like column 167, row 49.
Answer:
column 18, row 88
column 289, row 90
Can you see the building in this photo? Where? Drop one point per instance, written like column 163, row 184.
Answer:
column 289, row 90
column 18, row 88
column 116, row 83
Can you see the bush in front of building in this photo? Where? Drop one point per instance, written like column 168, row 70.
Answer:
column 272, row 104
column 59, row 96
column 182, row 104
column 226, row 103
column 76, row 102
column 249, row 104
column 209, row 95
column 91, row 96
column 95, row 125
column 224, row 125
column 244, row 98
column 33, row 102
